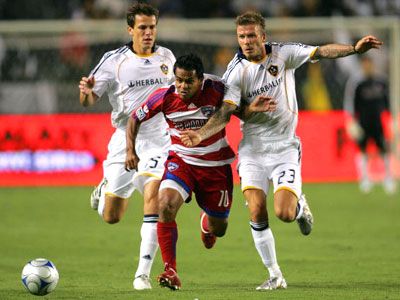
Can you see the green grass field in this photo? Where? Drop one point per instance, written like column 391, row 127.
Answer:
column 353, row 252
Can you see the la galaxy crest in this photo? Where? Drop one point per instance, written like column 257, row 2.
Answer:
column 273, row 70
column 164, row 69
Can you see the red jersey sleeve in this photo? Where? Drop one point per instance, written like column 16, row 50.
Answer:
column 151, row 107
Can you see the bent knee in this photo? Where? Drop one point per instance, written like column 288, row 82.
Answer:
column 285, row 215
column 111, row 219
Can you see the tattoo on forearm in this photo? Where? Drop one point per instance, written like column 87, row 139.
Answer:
column 216, row 123
column 334, row 51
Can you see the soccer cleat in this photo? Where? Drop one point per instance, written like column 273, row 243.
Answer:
column 273, row 283
column 142, row 282
column 96, row 194
column 207, row 237
column 169, row 278
column 306, row 220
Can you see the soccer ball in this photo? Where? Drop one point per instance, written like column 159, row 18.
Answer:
column 39, row 276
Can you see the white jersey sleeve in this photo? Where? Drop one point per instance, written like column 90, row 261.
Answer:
column 296, row 54
column 231, row 92
column 103, row 74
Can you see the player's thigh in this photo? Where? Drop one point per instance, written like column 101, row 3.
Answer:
column 253, row 173
column 287, row 176
column 379, row 140
column 170, row 200
column 214, row 189
column 119, row 181
column 287, row 182
column 178, row 175
column 150, row 168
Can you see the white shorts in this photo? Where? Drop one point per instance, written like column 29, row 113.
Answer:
column 151, row 165
column 257, row 169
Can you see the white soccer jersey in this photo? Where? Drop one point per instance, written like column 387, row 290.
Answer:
column 129, row 79
column 274, row 77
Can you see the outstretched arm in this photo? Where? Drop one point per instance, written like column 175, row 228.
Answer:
column 218, row 121
column 338, row 50
column 132, row 129
column 86, row 95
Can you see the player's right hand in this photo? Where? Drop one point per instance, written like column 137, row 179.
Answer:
column 190, row 138
column 131, row 161
column 263, row 103
column 86, row 85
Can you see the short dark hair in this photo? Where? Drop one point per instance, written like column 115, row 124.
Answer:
column 190, row 62
column 250, row 18
column 140, row 8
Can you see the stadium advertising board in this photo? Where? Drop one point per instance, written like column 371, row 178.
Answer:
column 68, row 149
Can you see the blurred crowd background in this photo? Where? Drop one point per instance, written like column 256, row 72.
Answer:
column 39, row 76
column 100, row 9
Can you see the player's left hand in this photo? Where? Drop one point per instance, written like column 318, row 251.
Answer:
column 131, row 161
column 190, row 138
column 263, row 104
column 366, row 43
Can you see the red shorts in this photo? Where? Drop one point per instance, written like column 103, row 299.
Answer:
column 212, row 186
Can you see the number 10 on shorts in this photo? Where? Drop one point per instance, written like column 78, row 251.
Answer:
column 224, row 200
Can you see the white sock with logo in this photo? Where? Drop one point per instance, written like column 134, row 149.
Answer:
column 265, row 245
column 148, row 245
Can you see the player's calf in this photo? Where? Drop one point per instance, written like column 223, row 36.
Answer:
column 207, row 237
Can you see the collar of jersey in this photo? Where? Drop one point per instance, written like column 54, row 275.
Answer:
column 130, row 46
column 268, row 49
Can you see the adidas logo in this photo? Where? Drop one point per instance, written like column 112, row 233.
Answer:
column 191, row 105
column 147, row 62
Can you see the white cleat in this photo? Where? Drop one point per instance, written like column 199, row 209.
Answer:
column 142, row 282
column 273, row 283
column 96, row 194
column 306, row 220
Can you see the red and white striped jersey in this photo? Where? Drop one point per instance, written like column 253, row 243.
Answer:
column 193, row 114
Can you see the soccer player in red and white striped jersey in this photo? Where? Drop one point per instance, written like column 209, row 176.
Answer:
column 203, row 170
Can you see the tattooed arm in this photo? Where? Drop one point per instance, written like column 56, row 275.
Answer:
column 337, row 50
column 218, row 121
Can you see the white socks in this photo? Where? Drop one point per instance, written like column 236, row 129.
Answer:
column 265, row 245
column 386, row 160
column 148, row 247
column 363, row 169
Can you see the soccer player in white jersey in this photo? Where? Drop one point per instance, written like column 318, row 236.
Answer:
column 129, row 75
column 270, row 149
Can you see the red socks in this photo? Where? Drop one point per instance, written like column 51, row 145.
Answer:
column 167, row 238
